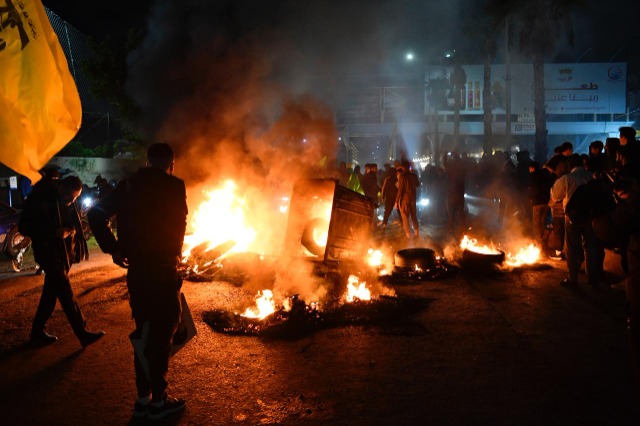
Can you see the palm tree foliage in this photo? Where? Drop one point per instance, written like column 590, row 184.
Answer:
column 539, row 26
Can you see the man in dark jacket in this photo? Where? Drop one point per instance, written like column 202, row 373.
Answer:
column 540, row 183
column 151, row 212
column 622, row 226
column 50, row 217
column 389, row 193
column 580, row 241
column 630, row 148
column 369, row 184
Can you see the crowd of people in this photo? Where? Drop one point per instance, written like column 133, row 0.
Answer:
column 573, row 205
column 400, row 185
column 528, row 194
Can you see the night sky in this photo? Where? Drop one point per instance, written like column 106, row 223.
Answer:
column 99, row 19
column 347, row 32
column 229, row 70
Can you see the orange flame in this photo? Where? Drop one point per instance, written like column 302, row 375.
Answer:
column 471, row 244
column 374, row 258
column 220, row 218
column 357, row 290
column 265, row 306
column 526, row 256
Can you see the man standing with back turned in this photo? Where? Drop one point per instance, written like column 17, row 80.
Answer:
column 408, row 184
column 151, row 211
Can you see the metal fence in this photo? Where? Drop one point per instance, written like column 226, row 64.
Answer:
column 97, row 124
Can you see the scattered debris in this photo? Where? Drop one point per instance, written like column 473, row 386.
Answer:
column 302, row 320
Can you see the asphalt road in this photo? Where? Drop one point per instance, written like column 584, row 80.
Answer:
column 509, row 348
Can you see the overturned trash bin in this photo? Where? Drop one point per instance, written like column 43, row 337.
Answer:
column 327, row 222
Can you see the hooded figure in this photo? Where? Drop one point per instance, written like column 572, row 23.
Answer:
column 50, row 218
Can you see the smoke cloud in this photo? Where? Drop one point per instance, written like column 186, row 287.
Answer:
column 228, row 83
column 242, row 89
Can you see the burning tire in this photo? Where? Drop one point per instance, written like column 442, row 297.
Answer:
column 474, row 260
column 422, row 258
column 314, row 236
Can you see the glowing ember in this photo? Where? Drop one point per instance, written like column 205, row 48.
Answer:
column 471, row 244
column 265, row 306
column 219, row 218
column 357, row 290
column 526, row 256
column 374, row 257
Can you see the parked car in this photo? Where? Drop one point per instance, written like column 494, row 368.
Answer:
column 13, row 244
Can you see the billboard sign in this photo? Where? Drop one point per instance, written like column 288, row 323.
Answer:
column 572, row 88
column 569, row 89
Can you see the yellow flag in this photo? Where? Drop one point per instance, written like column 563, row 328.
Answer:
column 40, row 108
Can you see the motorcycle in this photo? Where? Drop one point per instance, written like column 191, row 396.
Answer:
column 13, row 244
column 86, row 202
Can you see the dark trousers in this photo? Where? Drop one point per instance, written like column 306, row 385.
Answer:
column 557, row 239
column 388, row 209
column 57, row 287
column 157, row 352
column 457, row 217
column 540, row 212
column 582, row 243
column 633, row 306
column 633, row 321
column 154, row 293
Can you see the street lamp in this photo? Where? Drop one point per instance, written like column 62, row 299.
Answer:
column 410, row 56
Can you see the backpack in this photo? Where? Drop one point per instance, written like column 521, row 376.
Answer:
column 29, row 221
column 588, row 200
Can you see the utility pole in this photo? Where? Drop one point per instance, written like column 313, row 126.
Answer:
column 507, row 70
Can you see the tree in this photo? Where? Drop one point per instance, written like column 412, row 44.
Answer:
column 107, row 71
column 458, row 81
column 489, row 31
column 488, row 20
column 437, row 97
column 487, row 97
column 548, row 21
column 540, row 24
